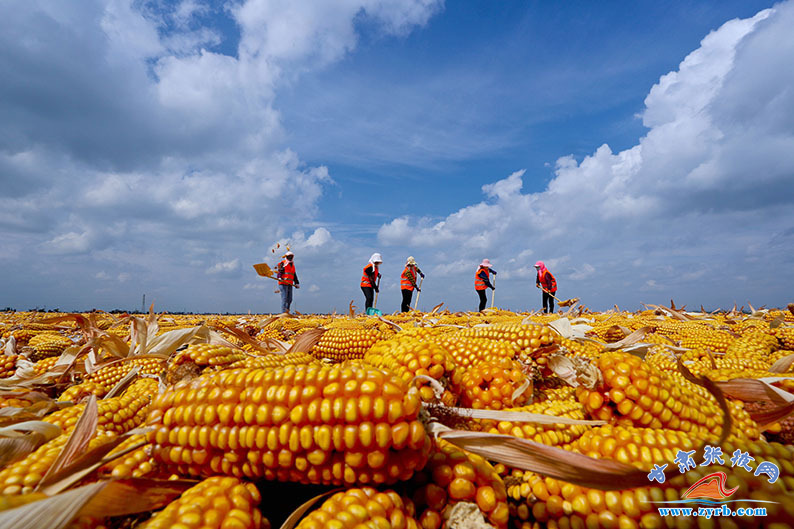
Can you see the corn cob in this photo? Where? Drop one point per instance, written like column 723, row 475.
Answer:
column 492, row 384
column 561, row 435
column 470, row 351
column 217, row 502
column 453, row 475
column 342, row 344
column 560, row 504
column 8, row 365
column 135, row 464
column 47, row 344
column 23, row 476
column 348, row 423
column 364, row 508
column 119, row 414
column 637, row 392
column 276, row 360
column 785, row 336
column 189, row 362
column 577, row 348
column 42, row 366
column 409, row 357
column 527, row 338
column 101, row 381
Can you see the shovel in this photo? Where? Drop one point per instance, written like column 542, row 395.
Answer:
column 566, row 303
column 418, row 292
column 372, row 311
column 264, row 270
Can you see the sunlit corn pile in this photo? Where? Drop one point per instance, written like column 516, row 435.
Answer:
column 234, row 421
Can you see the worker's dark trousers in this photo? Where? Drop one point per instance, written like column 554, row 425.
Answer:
column 548, row 301
column 483, row 299
column 406, row 304
column 369, row 294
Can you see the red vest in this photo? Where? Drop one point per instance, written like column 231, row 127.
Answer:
column 405, row 283
column 479, row 284
column 548, row 282
column 365, row 282
column 288, row 275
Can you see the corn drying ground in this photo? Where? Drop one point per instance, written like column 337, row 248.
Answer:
column 240, row 419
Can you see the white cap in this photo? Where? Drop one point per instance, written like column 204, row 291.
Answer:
column 376, row 258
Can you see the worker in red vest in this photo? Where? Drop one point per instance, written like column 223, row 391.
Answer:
column 408, row 283
column 369, row 279
column 482, row 281
column 287, row 278
column 546, row 281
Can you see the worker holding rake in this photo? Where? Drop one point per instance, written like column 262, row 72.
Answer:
column 369, row 279
column 408, row 283
column 287, row 278
column 548, row 284
column 482, row 281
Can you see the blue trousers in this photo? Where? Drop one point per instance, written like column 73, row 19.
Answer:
column 286, row 297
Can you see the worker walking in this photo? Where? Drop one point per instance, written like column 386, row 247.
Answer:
column 287, row 278
column 482, row 281
column 408, row 283
column 546, row 281
column 369, row 279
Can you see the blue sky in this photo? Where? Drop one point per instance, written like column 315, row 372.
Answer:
column 644, row 150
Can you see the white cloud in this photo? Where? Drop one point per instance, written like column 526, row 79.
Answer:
column 226, row 267
column 129, row 141
column 710, row 180
column 314, row 288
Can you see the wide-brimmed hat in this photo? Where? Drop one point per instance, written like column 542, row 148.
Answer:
column 288, row 254
column 410, row 261
column 376, row 258
column 486, row 262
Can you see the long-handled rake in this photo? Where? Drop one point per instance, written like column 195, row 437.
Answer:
column 418, row 292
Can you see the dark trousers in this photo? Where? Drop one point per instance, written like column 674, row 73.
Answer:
column 406, row 304
column 548, row 301
column 483, row 299
column 369, row 295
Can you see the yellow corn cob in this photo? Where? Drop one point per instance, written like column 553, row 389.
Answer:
column 527, row 338
column 101, row 381
column 348, row 423
column 215, row 503
column 453, row 475
column 577, row 348
column 785, row 336
column 409, row 357
column 560, row 504
column 637, row 392
column 189, row 362
column 470, row 351
column 362, row 509
column 276, row 360
column 119, row 414
column 549, row 434
column 48, row 344
column 8, row 365
column 491, row 385
column 23, row 476
column 134, row 464
column 342, row 344
column 44, row 365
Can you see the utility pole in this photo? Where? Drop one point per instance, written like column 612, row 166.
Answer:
column 143, row 305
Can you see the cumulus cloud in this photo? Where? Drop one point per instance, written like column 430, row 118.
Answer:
column 131, row 144
column 702, row 197
column 226, row 267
